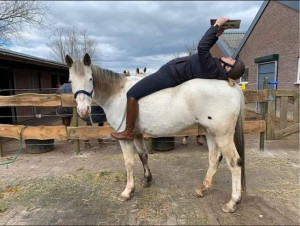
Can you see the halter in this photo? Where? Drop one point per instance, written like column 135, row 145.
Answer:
column 84, row 92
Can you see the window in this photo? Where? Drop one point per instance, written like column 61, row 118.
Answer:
column 244, row 78
column 298, row 72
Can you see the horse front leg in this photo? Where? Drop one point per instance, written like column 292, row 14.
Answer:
column 128, row 154
column 234, row 163
column 215, row 158
column 142, row 152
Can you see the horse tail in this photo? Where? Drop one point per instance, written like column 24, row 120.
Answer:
column 239, row 139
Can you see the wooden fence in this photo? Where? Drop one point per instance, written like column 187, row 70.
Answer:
column 86, row 132
column 283, row 102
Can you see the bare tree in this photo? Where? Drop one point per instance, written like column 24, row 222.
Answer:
column 176, row 55
column 72, row 42
column 191, row 48
column 16, row 15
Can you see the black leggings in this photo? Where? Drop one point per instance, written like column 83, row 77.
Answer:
column 159, row 80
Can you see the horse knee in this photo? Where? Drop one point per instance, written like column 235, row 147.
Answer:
column 236, row 162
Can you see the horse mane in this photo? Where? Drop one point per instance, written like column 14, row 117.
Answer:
column 107, row 81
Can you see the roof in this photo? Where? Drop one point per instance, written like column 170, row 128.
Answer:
column 25, row 58
column 291, row 4
column 229, row 42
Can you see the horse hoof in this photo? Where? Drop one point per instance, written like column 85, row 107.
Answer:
column 123, row 199
column 228, row 208
column 145, row 182
column 201, row 191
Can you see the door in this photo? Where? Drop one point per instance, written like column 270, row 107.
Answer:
column 269, row 70
column 6, row 89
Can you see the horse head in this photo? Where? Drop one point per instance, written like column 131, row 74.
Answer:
column 81, row 79
column 127, row 73
column 141, row 72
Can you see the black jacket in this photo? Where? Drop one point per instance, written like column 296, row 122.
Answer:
column 200, row 65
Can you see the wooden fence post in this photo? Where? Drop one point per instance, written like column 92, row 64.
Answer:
column 296, row 109
column 1, row 148
column 263, row 108
column 271, row 114
column 75, row 115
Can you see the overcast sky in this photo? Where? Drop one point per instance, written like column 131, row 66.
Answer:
column 139, row 33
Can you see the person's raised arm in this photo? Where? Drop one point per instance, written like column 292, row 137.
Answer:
column 207, row 41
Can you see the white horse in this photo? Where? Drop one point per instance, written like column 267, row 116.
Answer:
column 212, row 103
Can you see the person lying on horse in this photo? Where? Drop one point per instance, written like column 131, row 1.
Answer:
column 177, row 71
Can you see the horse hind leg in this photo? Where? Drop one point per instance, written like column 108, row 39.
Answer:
column 200, row 139
column 128, row 154
column 215, row 158
column 234, row 162
column 184, row 140
column 142, row 152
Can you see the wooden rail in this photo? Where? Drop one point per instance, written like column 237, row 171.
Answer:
column 67, row 100
column 88, row 132
column 84, row 133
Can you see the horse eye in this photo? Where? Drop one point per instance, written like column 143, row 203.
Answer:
column 70, row 81
column 91, row 79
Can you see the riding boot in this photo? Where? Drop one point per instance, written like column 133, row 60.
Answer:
column 132, row 113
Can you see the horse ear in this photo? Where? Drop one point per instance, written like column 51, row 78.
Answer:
column 137, row 70
column 87, row 60
column 69, row 61
column 145, row 69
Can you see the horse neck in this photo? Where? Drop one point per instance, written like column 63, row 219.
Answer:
column 107, row 83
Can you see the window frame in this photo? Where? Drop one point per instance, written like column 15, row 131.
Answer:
column 298, row 73
column 276, row 72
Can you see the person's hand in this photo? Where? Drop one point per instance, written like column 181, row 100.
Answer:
column 221, row 21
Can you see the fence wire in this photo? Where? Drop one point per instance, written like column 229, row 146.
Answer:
column 43, row 115
column 55, row 89
column 177, row 143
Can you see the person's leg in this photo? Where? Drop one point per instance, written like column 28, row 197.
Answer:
column 161, row 79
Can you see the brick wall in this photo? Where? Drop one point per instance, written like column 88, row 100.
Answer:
column 276, row 32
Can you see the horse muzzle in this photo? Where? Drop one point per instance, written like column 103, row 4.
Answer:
column 84, row 111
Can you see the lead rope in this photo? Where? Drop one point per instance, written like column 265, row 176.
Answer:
column 109, row 136
column 18, row 152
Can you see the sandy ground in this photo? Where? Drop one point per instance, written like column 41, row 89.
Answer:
column 59, row 187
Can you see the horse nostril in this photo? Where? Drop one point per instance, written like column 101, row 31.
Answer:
column 87, row 108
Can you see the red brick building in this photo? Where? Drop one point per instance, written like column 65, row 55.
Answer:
column 270, row 47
